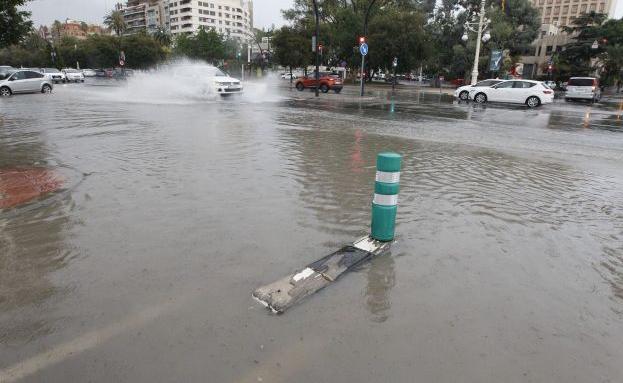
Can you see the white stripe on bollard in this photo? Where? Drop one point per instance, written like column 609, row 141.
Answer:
column 387, row 177
column 385, row 200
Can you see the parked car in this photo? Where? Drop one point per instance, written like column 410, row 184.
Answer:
column 88, row 73
column 583, row 88
column 325, row 83
column 54, row 75
column 23, row 81
column 73, row 75
column 457, row 82
column 462, row 93
column 529, row 92
column 4, row 68
column 286, row 76
column 104, row 73
column 550, row 84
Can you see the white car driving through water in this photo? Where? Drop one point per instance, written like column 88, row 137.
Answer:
column 462, row 93
column 529, row 92
column 223, row 83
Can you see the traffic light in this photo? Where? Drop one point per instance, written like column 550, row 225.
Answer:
column 362, row 39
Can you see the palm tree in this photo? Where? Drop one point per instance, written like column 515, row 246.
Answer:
column 57, row 28
column 114, row 20
column 163, row 37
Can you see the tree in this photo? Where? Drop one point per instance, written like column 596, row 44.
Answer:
column 57, row 29
column 14, row 24
column 115, row 21
column 205, row 45
column 291, row 48
column 578, row 56
column 162, row 36
column 84, row 27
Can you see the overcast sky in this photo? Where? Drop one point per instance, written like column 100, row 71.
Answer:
column 267, row 12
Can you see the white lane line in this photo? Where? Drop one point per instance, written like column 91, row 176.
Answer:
column 83, row 343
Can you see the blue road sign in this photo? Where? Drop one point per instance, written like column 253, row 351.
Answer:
column 363, row 48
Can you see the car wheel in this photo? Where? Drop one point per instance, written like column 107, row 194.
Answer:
column 300, row 86
column 5, row 92
column 464, row 95
column 480, row 98
column 46, row 88
column 533, row 102
column 337, row 90
column 324, row 88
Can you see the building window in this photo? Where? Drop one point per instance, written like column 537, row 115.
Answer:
column 557, row 10
column 593, row 7
column 548, row 50
column 565, row 9
column 574, row 9
column 539, row 51
column 601, row 7
column 583, row 8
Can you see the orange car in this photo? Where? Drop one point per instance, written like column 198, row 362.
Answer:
column 327, row 83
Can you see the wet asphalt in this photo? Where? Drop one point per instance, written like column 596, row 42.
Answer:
column 508, row 264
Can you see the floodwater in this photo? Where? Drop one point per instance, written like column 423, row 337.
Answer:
column 508, row 265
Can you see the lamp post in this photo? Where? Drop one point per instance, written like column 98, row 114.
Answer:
column 480, row 28
column 316, row 42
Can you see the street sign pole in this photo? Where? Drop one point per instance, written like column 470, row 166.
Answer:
column 395, row 65
column 363, row 49
column 363, row 63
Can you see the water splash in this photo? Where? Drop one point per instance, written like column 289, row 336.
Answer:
column 181, row 82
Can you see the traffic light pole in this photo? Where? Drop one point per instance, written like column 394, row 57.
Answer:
column 316, row 47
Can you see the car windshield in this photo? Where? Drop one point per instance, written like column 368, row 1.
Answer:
column 6, row 74
column 71, row 71
column 51, row 70
column 581, row 82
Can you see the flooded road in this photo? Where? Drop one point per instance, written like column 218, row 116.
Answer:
column 508, row 265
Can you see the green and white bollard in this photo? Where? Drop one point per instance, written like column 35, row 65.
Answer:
column 385, row 203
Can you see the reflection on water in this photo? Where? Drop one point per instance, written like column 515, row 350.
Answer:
column 182, row 196
column 33, row 248
column 381, row 278
column 32, row 240
column 458, row 180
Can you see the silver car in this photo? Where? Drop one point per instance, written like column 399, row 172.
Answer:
column 23, row 81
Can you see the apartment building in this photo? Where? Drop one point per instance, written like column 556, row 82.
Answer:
column 232, row 18
column 71, row 28
column 143, row 15
column 556, row 14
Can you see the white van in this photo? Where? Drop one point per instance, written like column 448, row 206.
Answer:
column 583, row 88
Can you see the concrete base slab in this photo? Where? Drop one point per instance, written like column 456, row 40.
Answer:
column 284, row 293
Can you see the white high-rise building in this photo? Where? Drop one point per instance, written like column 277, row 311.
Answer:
column 232, row 18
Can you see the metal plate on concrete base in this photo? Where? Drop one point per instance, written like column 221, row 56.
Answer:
column 284, row 293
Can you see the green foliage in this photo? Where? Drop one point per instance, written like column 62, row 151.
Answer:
column 512, row 31
column 114, row 20
column 14, row 24
column 142, row 51
column 291, row 48
column 579, row 56
column 205, row 45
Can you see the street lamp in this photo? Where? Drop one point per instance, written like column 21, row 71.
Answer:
column 480, row 28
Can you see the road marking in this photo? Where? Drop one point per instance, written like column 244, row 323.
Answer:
column 85, row 342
